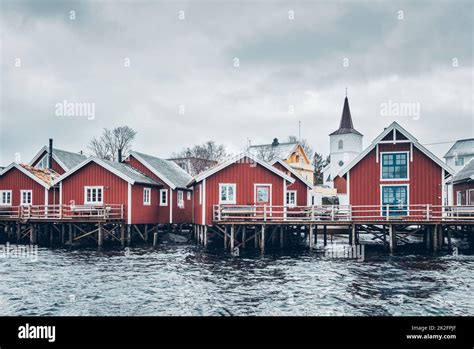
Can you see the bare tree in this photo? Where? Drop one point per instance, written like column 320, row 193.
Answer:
column 265, row 153
column 200, row 157
column 111, row 140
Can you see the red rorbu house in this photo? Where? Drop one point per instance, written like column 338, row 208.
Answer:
column 242, row 180
column 463, row 185
column 394, row 176
column 298, row 192
column 175, row 199
column 23, row 186
column 117, row 188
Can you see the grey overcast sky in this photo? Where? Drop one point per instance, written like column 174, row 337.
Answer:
column 295, row 60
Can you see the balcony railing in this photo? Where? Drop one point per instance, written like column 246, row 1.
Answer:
column 266, row 213
column 66, row 212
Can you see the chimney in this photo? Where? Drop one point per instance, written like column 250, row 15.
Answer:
column 50, row 154
column 120, row 155
column 275, row 142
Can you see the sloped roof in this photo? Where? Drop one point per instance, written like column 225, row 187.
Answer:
column 293, row 171
column 236, row 159
column 124, row 171
column 66, row 159
column 461, row 147
column 346, row 126
column 168, row 171
column 281, row 150
column 44, row 177
column 466, row 173
column 395, row 126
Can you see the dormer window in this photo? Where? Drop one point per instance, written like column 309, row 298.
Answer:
column 340, row 144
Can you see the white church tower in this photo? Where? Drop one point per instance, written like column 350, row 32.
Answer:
column 345, row 145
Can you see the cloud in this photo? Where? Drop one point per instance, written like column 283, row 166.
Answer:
column 190, row 63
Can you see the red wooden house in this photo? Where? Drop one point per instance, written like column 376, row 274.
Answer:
column 117, row 186
column 23, row 185
column 395, row 175
column 175, row 200
column 61, row 160
column 463, row 185
column 241, row 180
column 298, row 193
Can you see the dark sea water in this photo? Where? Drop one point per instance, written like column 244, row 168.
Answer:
column 187, row 280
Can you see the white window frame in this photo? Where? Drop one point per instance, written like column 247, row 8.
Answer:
column 188, row 195
column 270, row 194
column 9, row 196
column 180, row 201
column 146, row 196
column 163, row 203
column 44, row 162
column 459, row 198
column 340, row 145
column 458, row 159
column 97, row 188
column 468, row 197
column 394, row 179
column 26, row 191
column 234, row 186
column 395, row 185
column 288, row 196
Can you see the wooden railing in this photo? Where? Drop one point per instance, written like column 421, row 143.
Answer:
column 222, row 213
column 25, row 212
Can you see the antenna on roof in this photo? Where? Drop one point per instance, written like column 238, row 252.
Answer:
column 299, row 131
column 346, row 91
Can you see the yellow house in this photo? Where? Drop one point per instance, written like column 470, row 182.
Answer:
column 290, row 152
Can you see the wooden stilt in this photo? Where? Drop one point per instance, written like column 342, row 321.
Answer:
column 448, row 234
column 100, row 236
column 232, row 237
column 354, row 237
column 205, row 236
column 435, row 238
column 146, row 233
column 129, row 235
column 325, row 235
column 32, row 234
column 122, row 234
column 244, row 236
column 70, row 228
column 428, row 237
column 311, row 237
column 255, row 238
column 392, row 238
column 282, row 236
column 18, row 232
column 50, row 235
column 225, row 238
column 62, row 234
column 262, row 242
column 315, row 236
column 155, row 239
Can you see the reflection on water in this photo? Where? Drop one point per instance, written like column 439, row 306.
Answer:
column 187, row 280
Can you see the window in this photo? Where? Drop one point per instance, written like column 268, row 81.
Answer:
column 291, row 197
column 26, row 197
column 394, row 166
column 396, row 198
column 163, row 197
column 458, row 198
column 340, row 144
column 43, row 163
column 458, row 161
column 180, row 199
column 188, row 195
column 263, row 194
column 5, row 197
column 147, row 196
column 93, row 195
column 227, row 194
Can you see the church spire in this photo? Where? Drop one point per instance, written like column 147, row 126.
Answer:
column 346, row 125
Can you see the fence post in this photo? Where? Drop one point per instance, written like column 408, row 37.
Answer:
column 312, row 212
column 428, row 212
column 350, row 212
column 388, row 212
column 219, row 212
column 332, row 212
column 265, row 213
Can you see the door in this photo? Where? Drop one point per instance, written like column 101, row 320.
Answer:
column 263, row 194
column 396, row 196
column 470, row 197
